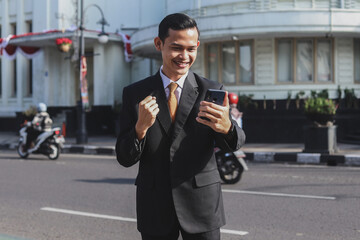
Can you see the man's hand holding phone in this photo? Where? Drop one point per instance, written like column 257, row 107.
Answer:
column 217, row 116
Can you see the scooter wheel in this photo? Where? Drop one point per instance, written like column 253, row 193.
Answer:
column 20, row 149
column 55, row 151
column 231, row 170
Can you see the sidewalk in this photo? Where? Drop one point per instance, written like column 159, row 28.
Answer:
column 96, row 145
column 258, row 152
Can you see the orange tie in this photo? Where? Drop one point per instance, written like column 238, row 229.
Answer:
column 172, row 101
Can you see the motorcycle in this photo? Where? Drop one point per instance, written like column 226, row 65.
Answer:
column 231, row 165
column 48, row 143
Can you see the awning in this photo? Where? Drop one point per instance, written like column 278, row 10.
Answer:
column 30, row 44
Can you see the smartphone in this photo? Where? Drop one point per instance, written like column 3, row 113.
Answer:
column 215, row 96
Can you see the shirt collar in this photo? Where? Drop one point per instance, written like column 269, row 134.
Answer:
column 166, row 81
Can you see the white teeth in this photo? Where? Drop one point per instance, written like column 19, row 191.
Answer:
column 181, row 63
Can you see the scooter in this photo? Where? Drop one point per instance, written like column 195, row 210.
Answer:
column 48, row 143
column 231, row 165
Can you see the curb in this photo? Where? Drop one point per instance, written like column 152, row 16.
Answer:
column 6, row 146
column 88, row 149
column 304, row 158
column 85, row 149
column 258, row 157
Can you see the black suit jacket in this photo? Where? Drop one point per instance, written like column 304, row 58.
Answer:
column 178, row 175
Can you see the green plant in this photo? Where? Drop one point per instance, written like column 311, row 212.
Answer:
column 351, row 100
column 320, row 105
column 313, row 93
column 246, row 101
column 323, row 94
column 298, row 97
column 288, row 100
column 339, row 94
column 117, row 107
column 274, row 104
column 30, row 112
column 264, row 102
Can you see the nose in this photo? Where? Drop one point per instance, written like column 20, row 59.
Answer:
column 184, row 54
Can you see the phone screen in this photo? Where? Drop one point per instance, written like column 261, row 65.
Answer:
column 215, row 96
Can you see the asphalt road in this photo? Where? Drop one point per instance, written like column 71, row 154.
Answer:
column 88, row 197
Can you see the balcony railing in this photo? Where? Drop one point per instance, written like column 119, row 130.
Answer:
column 243, row 6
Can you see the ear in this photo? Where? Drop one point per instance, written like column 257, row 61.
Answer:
column 157, row 43
column 198, row 43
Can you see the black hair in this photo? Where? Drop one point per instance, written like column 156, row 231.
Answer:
column 175, row 21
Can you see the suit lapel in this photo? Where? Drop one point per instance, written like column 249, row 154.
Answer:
column 188, row 97
column 163, row 115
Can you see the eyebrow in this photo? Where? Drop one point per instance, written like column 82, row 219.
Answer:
column 179, row 45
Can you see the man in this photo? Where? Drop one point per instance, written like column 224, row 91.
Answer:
column 40, row 123
column 178, row 184
column 234, row 111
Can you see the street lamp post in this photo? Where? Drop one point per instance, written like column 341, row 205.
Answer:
column 82, row 136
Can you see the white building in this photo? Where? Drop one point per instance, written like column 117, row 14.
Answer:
column 261, row 47
column 268, row 47
column 52, row 76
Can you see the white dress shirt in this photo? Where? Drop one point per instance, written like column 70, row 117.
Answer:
column 166, row 82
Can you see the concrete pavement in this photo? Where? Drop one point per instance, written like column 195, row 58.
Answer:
column 348, row 154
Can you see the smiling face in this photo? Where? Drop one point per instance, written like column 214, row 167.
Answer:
column 178, row 51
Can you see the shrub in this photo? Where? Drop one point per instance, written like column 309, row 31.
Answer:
column 30, row 112
column 320, row 105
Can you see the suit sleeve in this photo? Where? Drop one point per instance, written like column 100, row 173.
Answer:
column 233, row 140
column 128, row 147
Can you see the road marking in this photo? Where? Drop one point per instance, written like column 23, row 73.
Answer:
column 71, row 155
column 279, row 194
column 7, row 237
column 241, row 233
column 86, row 214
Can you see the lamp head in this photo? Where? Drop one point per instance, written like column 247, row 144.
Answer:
column 103, row 37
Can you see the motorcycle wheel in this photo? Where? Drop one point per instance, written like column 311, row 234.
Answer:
column 20, row 150
column 55, row 151
column 230, row 170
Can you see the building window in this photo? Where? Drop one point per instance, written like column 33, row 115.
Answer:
column 13, row 28
column 285, row 60
column 304, row 61
column 324, row 60
column 213, row 61
column 29, row 78
column 199, row 63
column 357, row 60
column 14, row 83
column 245, row 62
column 29, row 26
column 29, row 66
column 230, row 63
column 312, row 60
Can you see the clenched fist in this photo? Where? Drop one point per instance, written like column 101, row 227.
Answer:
column 148, row 110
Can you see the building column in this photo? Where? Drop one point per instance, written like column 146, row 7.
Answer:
column 103, row 86
column 5, row 90
column 47, row 78
column 20, row 66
